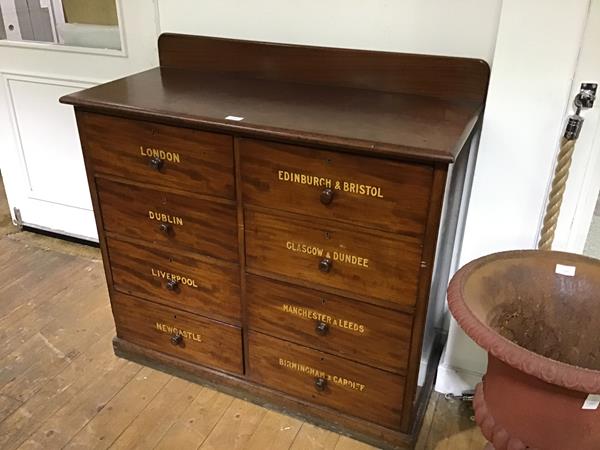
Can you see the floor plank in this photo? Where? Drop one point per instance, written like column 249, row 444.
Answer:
column 61, row 308
column 276, row 431
column 62, row 386
column 56, row 350
column 153, row 422
column 194, row 425
column 311, row 437
column 346, row 443
column 56, row 431
column 236, row 426
column 120, row 411
column 40, row 336
column 97, row 364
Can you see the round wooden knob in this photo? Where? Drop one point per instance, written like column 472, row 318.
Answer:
column 326, row 196
column 165, row 228
column 156, row 163
column 320, row 384
column 172, row 285
column 325, row 265
column 177, row 339
column 322, row 328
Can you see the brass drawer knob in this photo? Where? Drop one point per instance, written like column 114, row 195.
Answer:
column 320, row 384
column 326, row 196
column 325, row 265
column 322, row 328
column 156, row 163
column 172, row 285
column 177, row 339
column 165, row 228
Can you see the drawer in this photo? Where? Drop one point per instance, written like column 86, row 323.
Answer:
column 327, row 380
column 382, row 194
column 177, row 333
column 367, row 334
column 202, row 226
column 377, row 265
column 158, row 154
column 176, row 280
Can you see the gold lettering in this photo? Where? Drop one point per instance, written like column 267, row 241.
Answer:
column 350, row 259
column 314, row 180
column 165, row 218
column 298, row 247
column 301, row 178
column 312, row 372
column 170, row 329
column 186, row 281
column 307, row 313
column 159, row 153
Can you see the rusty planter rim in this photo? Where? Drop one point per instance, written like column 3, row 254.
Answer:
column 546, row 369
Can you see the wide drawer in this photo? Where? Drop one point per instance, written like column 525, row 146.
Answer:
column 371, row 264
column 198, row 225
column 177, row 333
column 368, row 334
column 176, row 280
column 382, row 194
column 327, row 380
column 158, row 154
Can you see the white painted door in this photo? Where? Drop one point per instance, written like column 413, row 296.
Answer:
column 40, row 154
column 583, row 186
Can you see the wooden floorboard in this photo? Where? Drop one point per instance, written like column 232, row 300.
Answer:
column 62, row 387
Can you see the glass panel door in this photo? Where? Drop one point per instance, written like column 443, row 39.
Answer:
column 77, row 23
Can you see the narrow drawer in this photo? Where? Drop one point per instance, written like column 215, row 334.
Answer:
column 327, row 380
column 368, row 334
column 382, row 194
column 178, row 221
column 175, row 280
column 158, row 154
column 377, row 265
column 177, row 333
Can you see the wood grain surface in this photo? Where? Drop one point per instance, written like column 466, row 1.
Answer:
column 204, row 288
column 205, row 342
column 243, row 178
column 294, row 369
column 358, row 331
column 434, row 76
column 294, row 247
column 376, row 193
column 192, row 160
column 93, row 397
column 175, row 221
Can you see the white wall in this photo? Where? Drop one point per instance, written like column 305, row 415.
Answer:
column 534, row 52
column 534, row 64
column 459, row 27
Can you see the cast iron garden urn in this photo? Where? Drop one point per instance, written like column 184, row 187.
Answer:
column 537, row 313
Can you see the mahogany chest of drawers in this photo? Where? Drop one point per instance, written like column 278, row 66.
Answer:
column 269, row 219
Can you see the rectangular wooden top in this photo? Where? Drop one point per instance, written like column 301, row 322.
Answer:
column 378, row 103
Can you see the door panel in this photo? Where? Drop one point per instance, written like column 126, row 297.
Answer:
column 583, row 185
column 48, row 142
column 40, row 154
